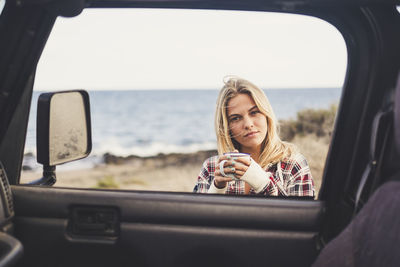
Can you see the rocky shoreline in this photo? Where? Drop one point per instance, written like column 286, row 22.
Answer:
column 161, row 160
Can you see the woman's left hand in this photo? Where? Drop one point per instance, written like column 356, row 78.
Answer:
column 241, row 166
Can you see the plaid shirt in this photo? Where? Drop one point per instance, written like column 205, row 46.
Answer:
column 293, row 178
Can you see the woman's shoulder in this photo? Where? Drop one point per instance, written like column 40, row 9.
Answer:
column 211, row 161
column 209, row 165
column 297, row 160
column 297, row 156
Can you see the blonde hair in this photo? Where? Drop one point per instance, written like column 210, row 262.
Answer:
column 273, row 149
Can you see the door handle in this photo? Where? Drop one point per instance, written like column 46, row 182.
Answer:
column 94, row 222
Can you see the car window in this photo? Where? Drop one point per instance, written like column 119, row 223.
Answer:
column 154, row 75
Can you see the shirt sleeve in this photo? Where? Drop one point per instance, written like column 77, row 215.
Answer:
column 215, row 190
column 205, row 179
column 300, row 182
column 203, row 183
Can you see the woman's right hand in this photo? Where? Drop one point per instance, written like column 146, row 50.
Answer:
column 219, row 180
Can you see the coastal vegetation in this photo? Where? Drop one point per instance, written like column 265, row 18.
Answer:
column 316, row 122
column 311, row 132
column 108, row 182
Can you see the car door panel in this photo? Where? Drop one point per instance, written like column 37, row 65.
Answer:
column 179, row 228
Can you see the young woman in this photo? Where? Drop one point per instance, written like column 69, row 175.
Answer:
column 245, row 122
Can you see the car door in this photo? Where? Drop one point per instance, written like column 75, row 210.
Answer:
column 87, row 227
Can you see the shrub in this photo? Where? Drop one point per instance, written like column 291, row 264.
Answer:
column 107, row 182
column 309, row 121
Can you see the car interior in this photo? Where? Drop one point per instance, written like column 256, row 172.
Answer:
column 44, row 225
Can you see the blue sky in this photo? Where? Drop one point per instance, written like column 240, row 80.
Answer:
column 188, row 49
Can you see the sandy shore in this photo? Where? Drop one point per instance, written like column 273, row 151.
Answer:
column 172, row 172
column 126, row 177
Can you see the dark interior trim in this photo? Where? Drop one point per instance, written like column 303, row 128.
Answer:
column 174, row 208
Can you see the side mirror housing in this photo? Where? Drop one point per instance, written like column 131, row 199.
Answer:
column 63, row 131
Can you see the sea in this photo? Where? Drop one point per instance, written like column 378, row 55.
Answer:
column 150, row 122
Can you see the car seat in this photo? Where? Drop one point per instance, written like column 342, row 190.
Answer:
column 373, row 236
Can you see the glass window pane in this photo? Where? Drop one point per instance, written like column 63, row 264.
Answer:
column 154, row 75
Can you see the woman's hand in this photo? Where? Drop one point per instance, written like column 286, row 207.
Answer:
column 241, row 166
column 219, row 180
column 236, row 166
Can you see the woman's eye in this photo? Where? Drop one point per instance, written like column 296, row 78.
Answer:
column 254, row 112
column 233, row 119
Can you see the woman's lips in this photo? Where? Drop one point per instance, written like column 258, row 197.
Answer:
column 251, row 134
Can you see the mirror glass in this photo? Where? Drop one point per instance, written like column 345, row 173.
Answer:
column 153, row 76
column 68, row 132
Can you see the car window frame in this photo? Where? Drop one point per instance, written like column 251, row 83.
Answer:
column 331, row 24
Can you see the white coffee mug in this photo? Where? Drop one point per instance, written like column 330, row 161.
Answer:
column 233, row 155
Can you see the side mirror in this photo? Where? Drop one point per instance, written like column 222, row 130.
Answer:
column 63, row 131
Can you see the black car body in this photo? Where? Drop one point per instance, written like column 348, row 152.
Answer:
column 182, row 229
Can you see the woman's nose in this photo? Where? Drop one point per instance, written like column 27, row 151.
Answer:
column 248, row 122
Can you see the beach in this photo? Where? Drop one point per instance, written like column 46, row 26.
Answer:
column 174, row 172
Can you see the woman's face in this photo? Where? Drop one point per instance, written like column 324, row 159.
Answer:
column 248, row 126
